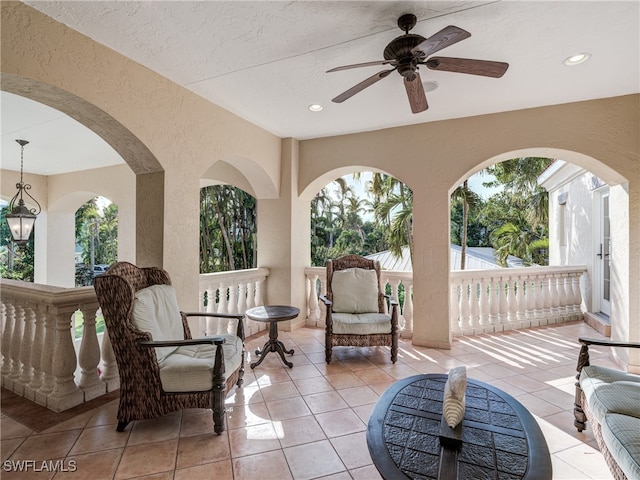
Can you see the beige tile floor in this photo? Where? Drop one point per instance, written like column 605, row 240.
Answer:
column 310, row 421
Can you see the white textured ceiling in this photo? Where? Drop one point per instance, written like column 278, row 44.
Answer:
column 266, row 60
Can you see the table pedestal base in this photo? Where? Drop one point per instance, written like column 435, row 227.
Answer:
column 273, row 345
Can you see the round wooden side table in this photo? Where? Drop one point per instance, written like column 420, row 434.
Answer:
column 272, row 314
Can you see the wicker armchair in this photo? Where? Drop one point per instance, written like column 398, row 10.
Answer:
column 356, row 314
column 171, row 371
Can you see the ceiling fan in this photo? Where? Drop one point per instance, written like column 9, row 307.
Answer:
column 407, row 51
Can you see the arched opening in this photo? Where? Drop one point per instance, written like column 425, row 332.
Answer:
column 138, row 178
column 587, row 204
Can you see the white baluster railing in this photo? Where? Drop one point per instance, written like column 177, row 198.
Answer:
column 516, row 298
column 231, row 292
column 39, row 357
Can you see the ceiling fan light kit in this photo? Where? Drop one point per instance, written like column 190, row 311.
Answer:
column 406, row 52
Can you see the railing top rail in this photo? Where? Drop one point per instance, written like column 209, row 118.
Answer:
column 247, row 274
column 515, row 272
column 49, row 295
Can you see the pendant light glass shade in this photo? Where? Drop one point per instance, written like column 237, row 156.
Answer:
column 21, row 219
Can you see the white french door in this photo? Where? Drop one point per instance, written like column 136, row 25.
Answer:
column 603, row 255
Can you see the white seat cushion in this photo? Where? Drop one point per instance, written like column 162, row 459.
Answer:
column 155, row 310
column 361, row 323
column 190, row 368
column 355, row 290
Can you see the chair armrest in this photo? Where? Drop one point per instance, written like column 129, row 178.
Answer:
column 392, row 301
column 180, row 343
column 211, row 314
column 325, row 300
column 239, row 317
column 607, row 343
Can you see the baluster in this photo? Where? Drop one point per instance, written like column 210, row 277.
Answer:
column 222, row 299
column 211, row 299
column 242, row 297
column 16, row 345
column 89, row 357
column 562, row 298
column 577, row 295
column 25, row 349
column 474, row 305
column 521, row 302
column 571, row 297
column 110, row 374
column 540, row 289
column 554, row 293
column 36, row 356
column 65, row 392
column 503, row 305
column 546, row 292
column 454, row 308
column 484, row 307
column 7, row 340
column 232, row 305
column 464, row 306
column 251, row 294
column 407, row 311
column 530, row 296
column 312, row 302
column 512, row 302
column 494, row 302
column 47, row 354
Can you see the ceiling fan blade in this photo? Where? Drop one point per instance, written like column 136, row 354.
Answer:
column 358, row 65
column 485, row 68
column 444, row 38
column 415, row 92
column 361, row 86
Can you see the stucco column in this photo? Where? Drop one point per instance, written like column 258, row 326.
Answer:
column 150, row 219
column 284, row 239
column 431, row 267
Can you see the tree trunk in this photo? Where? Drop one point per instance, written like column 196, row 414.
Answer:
column 463, row 235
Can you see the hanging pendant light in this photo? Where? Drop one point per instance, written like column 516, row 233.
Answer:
column 21, row 218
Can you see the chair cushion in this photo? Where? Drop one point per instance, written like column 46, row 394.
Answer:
column 355, row 290
column 189, row 368
column 155, row 310
column 610, row 391
column 620, row 434
column 361, row 323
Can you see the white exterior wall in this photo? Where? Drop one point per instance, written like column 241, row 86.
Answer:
column 574, row 238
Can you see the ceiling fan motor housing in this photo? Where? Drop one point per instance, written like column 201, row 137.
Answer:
column 399, row 50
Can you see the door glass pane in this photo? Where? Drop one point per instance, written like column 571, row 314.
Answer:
column 606, row 249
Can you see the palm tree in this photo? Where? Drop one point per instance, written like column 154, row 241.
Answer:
column 519, row 177
column 394, row 207
column 467, row 198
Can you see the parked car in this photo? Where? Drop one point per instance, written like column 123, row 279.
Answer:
column 99, row 269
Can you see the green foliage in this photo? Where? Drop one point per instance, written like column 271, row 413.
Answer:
column 339, row 219
column 228, row 229
column 97, row 235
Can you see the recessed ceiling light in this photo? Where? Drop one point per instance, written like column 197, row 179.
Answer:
column 430, row 86
column 315, row 107
column 577, row 59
